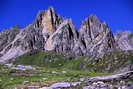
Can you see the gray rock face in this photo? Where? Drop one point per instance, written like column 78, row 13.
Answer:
column 97, row 36
column 27, row 40
column 64, row 39
column 125, row 40
column 33, row 37
column 48, row 21
column 8, row 36
column 51, row 32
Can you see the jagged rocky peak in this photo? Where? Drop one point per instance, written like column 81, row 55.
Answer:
column 93, row 26
column 63, row 40
column 97, row 35
column 48, row 20
column 124, row 40
column 8, row 36
column 51, row 32
column 28, row 39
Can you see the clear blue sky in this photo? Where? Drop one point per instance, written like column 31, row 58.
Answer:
column 117, row 13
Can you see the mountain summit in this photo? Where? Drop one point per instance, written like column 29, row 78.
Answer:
column 51, row 32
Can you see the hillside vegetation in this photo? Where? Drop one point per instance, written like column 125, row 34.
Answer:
column 110, row 62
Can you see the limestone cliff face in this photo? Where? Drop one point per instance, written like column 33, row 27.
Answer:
column 97, row 36
column 51, row 32
column 125, row 40
column 63, row 36
column 26, row 40
column 8, row 36
column 48, row 21
column 64, row 39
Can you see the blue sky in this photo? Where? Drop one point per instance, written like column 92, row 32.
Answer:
column 117, row 13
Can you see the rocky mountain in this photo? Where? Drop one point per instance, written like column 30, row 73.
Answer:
column 97, row 36
column 51, row 32
column 125, row 40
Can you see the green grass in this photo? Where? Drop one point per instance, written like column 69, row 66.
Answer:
column 40, row 58
column 77, row 63
column 109, row 62
column 47, row 63
column 10, row 81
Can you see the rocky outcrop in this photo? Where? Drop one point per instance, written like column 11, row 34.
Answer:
column 64, row 40
column 125, row 40
column 62, row 37
column 118, row 77
column 27, row 40
column 33, row 37
column 116, row 81
column 48, row 21
column 97, row 36
column 8, row 36
column 51, row 32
